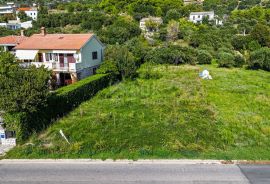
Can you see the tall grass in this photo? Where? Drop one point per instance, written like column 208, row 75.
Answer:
column 167, row 112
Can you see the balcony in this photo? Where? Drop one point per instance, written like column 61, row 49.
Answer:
column 57, row 67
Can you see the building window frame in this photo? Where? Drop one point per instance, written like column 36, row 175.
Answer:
column 95, row 55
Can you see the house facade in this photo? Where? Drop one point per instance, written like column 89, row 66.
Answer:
column 7, row 9
column 29, row 11
column 71, row 57
column 197, row 17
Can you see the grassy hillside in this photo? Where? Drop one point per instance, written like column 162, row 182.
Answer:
column 168, row 112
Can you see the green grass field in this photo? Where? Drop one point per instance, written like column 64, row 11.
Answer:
column 167, row 112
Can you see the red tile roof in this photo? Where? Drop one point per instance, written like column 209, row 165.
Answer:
column 24, row 9
column 12, row 40
column 55, row 42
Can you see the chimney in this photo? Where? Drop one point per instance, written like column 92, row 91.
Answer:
column 22, row 32
column 43, row 31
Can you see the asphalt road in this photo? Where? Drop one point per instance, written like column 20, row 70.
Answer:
column 124, row 173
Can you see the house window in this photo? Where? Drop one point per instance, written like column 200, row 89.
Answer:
column 49, row 56
column 71, row 58
column 55, row 57
column 40, row 57
column 199, row 16
column 193, row 17
column 95, row 55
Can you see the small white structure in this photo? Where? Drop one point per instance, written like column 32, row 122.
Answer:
column 27, row 24
column 6, row 137
column 29, row 11
column 156, row 20
column 197, row 17
column 205, row 75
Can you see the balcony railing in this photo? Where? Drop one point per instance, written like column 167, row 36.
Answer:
column 60, row 67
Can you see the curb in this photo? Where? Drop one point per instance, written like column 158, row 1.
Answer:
column 135, row 162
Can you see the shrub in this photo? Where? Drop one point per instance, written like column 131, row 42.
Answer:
column 69, row 97
column 260, row 59
column 204, row 57
column 225, row 59
column 172, row 55
column 108, row 67
column 239, row 60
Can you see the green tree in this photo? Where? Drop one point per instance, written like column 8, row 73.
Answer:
column 226, row 59
column 260, row 59
column 172, row 30
column 261, row 33
column 23, row 17
column 123, row 59
column 22, row 90
column 204, row 57
column 120, row 31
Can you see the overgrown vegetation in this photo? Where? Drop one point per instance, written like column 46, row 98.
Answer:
column 25, row 99
column 167, row 112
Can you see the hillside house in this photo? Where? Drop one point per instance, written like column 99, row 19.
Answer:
column 197, row 17
column 187, row 2
column 7, row 9
column 29, row 11
column 71, row 57
column 8, row 43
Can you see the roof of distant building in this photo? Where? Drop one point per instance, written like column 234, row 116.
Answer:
column 12, row 40
column 27, row 9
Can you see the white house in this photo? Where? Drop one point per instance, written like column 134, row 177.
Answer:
column 71, row 57
column 11, row 25
column 143, row 23
column 186, row 2
column 17, row 24
column 197, row 17
column 7, row 9
column 29, row 11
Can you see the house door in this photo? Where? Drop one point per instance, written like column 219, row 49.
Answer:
column 61, row 60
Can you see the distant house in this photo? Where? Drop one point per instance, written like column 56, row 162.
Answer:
column 11, row 25
column 29, row 11
column 7, row 9
column 186, row 2
column 197, row 17
column 143, row 23
column 8, row 43
column 71, row 57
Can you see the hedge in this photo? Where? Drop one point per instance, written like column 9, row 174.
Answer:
column 69, row 97
column 59, row 103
